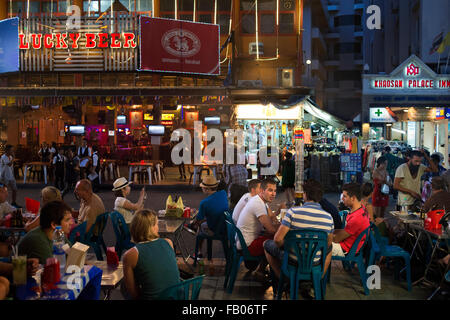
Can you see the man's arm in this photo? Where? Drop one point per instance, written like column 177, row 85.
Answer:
column 280, row 234
column 267, row 223
column 340, row 235
column 397, row 186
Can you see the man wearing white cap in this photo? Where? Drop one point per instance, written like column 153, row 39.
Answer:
column 122, row 204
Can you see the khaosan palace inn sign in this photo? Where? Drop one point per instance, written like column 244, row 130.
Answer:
column 411, row 76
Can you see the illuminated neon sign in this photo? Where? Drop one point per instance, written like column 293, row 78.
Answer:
column 91, row 40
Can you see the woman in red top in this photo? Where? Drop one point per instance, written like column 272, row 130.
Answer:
column 379, row 200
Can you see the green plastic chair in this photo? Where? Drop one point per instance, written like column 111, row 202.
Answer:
column 185, row 290
column 235, row 256
column 304, row 244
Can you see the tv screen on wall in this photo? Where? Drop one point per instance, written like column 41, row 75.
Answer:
column 76, row 130
column 156, row 130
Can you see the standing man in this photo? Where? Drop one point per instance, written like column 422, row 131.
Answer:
column 357, row 221
column 407, row 178
column 59, row 161
column 84, row 154
column 7, row 172
column 91, row 204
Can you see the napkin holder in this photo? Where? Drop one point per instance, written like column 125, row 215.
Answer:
column 77, row 255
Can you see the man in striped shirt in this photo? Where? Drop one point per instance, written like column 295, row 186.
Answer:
column 309, row 216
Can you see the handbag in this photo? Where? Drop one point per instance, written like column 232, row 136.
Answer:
column 384, row 189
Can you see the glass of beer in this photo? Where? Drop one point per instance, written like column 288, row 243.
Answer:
column 19, row 270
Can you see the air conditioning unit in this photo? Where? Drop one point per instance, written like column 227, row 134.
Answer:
column 286, row 78
column 252, row 48
column 250, row 83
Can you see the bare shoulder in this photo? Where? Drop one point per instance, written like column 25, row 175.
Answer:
column 131, row 257
column 169, row 242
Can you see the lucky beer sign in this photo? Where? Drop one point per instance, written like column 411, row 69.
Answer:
column 72, row 40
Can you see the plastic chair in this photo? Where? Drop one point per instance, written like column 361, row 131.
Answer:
column 78, row 234
column 236, row 256
column 353, row 256
column 390, row 251
column 185, row 290
column 343, row 215
column 305, row 244
column 94, row 237
column 123, row 236
column 218, row 235
column 32, row 205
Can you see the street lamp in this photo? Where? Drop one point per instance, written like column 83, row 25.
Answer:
column 308, row 62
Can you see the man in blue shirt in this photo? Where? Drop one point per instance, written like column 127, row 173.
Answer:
column 210, row 215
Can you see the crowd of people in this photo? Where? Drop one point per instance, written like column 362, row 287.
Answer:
column 150, row 266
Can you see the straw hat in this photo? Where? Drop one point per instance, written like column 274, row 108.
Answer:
column 209, row 182
column 120, row 184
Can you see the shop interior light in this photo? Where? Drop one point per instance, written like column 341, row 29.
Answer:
column 398, row 130
column 405, row 110
column 388, row 124
column 179, row 107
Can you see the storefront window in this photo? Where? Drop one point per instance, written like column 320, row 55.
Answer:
column 206, row 18
column 267, row 23
column 17, row 6
column 47, row 6
column 224, row 22
column 62, row 6
column 92, row 8
column 286, row 23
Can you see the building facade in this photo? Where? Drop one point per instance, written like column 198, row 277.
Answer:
column 103, row 89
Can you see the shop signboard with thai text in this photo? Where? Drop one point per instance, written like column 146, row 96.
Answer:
column 179, row 46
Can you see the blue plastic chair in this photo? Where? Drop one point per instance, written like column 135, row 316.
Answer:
column 94, row 237
column 78, row 234
column 389, row 251
column 236, row 256
column 123, row 236
column 353, row 256
column 185, row 290
column 304, row 244
column 219, row 234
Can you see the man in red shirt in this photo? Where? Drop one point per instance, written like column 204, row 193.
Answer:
column 357, row 221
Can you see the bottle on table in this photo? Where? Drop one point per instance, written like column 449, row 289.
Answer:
column 58, row 250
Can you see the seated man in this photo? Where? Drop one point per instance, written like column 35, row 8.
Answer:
column 257, row 216
column 48, row 194
column 254, row 188
column 38, row 243
column 91, row 204
column 440, row 199
column 357, row 221
column 309, row 216
column 210, row 215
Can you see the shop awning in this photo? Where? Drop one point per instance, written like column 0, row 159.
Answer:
column 310, row 107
